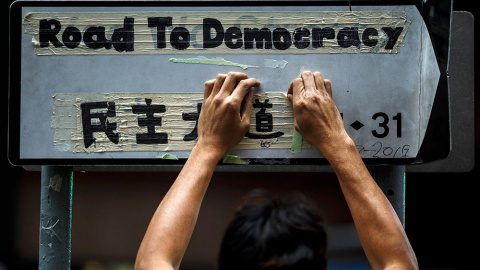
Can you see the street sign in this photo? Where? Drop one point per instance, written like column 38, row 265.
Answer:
column 122, row 84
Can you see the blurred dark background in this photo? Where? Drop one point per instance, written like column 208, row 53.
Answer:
column 111, row 210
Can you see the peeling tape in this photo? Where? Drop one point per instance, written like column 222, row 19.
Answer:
column 272, row 63
column 228, row 159
column 296, row 146
column 169, row 156
column 206, row 61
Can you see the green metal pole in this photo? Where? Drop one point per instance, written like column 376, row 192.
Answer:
column 391, row 179
column 55, row 218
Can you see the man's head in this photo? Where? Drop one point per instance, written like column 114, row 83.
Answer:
column 274, row 232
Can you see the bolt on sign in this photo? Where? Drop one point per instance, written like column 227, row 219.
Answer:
column 126, row 82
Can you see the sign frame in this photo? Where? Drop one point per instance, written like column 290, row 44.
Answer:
column 15, row 82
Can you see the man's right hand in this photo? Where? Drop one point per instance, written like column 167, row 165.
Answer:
column 316, row 116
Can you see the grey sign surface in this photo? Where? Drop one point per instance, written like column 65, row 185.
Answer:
column 379, row 58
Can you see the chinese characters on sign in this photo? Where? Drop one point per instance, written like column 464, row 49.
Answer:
column 263, row 122
column 159, row 122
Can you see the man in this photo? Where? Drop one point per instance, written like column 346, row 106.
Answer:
column 223, row 122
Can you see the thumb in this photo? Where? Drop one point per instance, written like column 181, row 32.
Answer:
column 246, row 109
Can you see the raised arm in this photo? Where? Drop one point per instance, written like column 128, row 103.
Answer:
column 318, row 120
column 223, row 122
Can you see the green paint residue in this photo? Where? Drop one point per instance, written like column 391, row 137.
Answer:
column 297, row 140
column 169, row 156
column 234, row 160
column 206, row 61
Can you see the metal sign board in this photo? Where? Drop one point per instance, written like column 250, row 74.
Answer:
column 103, row 83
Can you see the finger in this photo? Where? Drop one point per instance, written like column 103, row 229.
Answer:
column 232, row 79
column 328, row 88
column 298, row 89
column 246, row 109
column 243, row 87
column 308, row 81
column 208, row 89
column 319, row 81
column 218, row 84
column 290, row 92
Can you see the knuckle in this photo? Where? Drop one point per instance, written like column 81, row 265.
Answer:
column 317, row 73
column 230, row 104
column 217, row 101
column 300, row 103
column 298, row 80
column 308, row 73
column 237, row 76
column 233, row 74
column 242, row 84
column 312, row 97
column 209, row 83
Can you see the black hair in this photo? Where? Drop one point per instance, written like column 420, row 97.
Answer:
column 274, row 232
